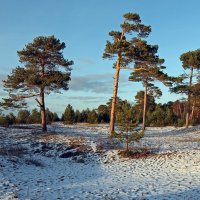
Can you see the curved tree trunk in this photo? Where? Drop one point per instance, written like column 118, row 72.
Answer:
column 188, row 101
column 127, row 145
column 192, row 112
column 145, row 108
column 43, row 111
column 113, row 105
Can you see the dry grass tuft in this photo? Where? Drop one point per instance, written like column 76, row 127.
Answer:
column 17, row 151
column 136, row 155
column 31, row 161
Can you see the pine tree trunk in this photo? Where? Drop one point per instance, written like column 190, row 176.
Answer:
column 114, row 99
column 197, row 115
column 145, row 108
column 127, row 139
column 127, row 147
column 43, row 111
column 188, row 102
column 192, row 113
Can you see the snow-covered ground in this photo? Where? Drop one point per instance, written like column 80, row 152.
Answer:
column 81, row 162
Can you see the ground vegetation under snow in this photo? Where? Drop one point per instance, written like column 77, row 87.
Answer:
column 82, row 162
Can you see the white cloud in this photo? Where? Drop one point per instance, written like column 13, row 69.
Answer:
column 96, row 83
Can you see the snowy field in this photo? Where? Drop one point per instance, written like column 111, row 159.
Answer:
column 81, row 162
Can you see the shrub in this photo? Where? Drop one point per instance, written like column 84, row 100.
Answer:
column 3, row 121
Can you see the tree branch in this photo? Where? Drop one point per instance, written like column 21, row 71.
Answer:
column 38, row 102
column 24, row 97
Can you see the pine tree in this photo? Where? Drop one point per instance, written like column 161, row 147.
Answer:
column 55, row 117
column 157, row 117
column 23, row 117
column 3, row 121
column 139, row 106
column 45, row 70
column 92, row 117
column 84, row 115
column 69, row 115
column 149, row 69
column 10, row 118
column 78, row 116
column 35, row 116
column 117, row 103
column 190, row 61
column 195, row 102
column 49, row 116
column 103, row 114
column 120, row 48
column 127, row 126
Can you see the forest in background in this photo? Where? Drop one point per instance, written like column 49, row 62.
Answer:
column 167, row 114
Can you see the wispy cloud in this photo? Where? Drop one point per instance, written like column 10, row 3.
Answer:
column 87, row 99
column 96, row 83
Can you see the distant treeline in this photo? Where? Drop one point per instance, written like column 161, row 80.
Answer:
column 168, row 114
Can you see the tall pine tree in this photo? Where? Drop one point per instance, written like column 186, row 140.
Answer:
column 119, row 48
column 69, row 115
column 45, row 70
column 191, row 63
column 147, row 69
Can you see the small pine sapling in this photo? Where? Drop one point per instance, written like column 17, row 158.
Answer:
column 128, row 128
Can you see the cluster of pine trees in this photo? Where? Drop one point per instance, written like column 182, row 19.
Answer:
column 45, row 70
column 27, row 117
column 131, row 51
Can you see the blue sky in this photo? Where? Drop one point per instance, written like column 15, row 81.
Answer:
column 84, row 27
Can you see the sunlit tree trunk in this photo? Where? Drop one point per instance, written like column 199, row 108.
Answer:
column 145, row 107
column 192, row 112
column 127, row 146
column 42, row 104
column 127, row 139
column 189, row 99
column 114, row 99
